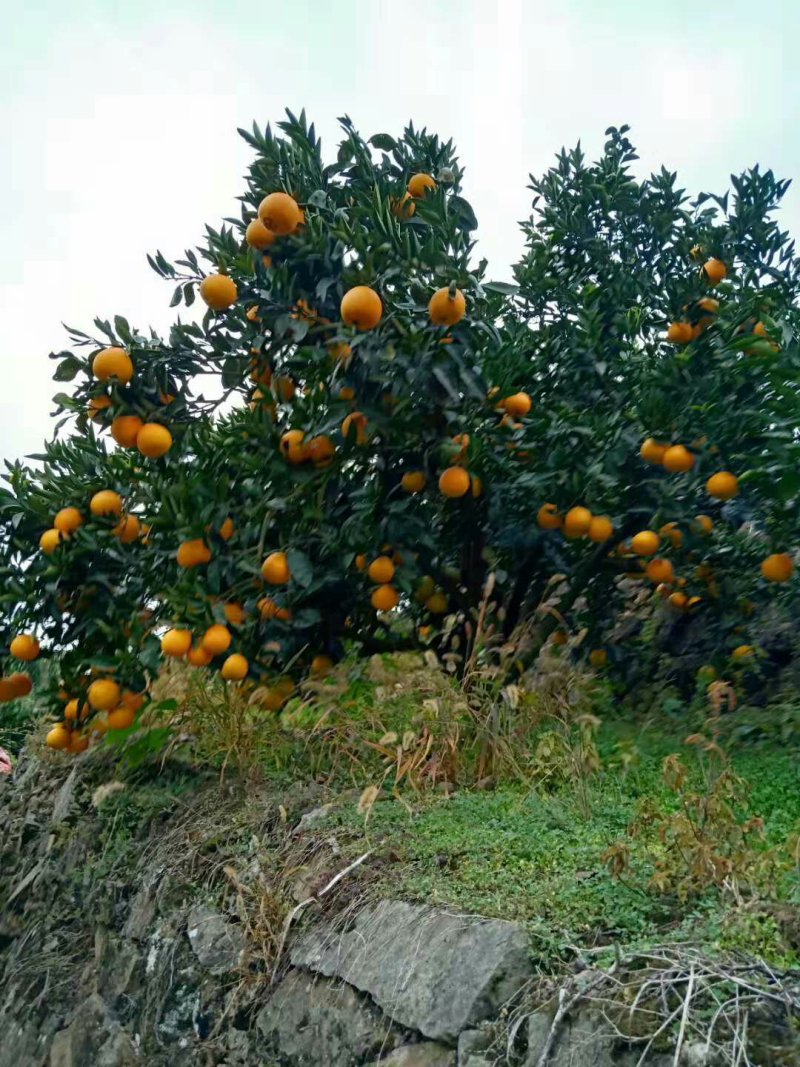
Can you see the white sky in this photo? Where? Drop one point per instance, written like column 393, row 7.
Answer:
column 119, row 130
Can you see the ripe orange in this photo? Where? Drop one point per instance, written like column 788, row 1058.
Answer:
column 260, row 374
column 103, row 694
column 436, row 603
column 193, row 553
column 284, row 388
column 320, row 451
column 446, row 309
column 78, row 742
column 106, row 502
column 280, row 213
column 234, row 613
column 24, row 647
column 679, row 333
column 226, row 529
column 672, row 533
column 645, row 543
column 775, row 568
column 405, row 207
column 275, row 569
column 723, row 485
column 74, row 708
column 57, row 737
column 291, row 446
column 98, row 404
column 18, row 685
column 347, row 393
column 598, row 657
column 693, row 601
column 49, row 541
column 517, row 405
column 272, row 699
column 413, row 481
column 112, row 363
column 660, row 570
column 197, row 656
column 709, row 304
column 341, row 352
column 176, row 643
column 742, row 652
column 252, row 313
column 384, row 598
column 360, row 562
column 124, row 429
column 361, row 307
column 548, row 517
column 216, row 639
column 600, row 529
column 381, row 570
column 714, row 271
column 67, row 521
column 476, row 486
column 678, row 600
column 131, row 700
column 703, row 524
column 678, row 459
column 359, row 421
column 121, row 718
column 154, row 440
column 218, row 291
column 235, row 668
column 651, row 451
column 454, row 482
column 419, row 184
column 462, row 440
column 127, row 529
column 577, row 522
column 321, row 664
column 258, row 236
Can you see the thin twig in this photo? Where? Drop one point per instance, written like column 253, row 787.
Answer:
column 687, row 1003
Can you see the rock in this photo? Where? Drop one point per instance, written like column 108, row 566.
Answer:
column 538, row 1029
column 119, row 967
column 472, row 1044
column 64, row 799
column 92, row 1037
column 426, row 1054
column 141, row 915
column 314, row 1022
column 314, row 819
column 428, row 969
column 216, row 943
column 582, row 1041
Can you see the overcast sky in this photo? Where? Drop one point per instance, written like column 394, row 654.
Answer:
column 119, row 129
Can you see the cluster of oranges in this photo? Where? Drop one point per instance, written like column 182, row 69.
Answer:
column 104, row 503
column 102, row 706
column 152, row 439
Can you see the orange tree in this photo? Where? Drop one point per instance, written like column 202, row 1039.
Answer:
column 359, row 427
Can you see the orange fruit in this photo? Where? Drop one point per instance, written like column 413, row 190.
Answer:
column 558, row 637
column 197, row 656
column 476, row 486
column 103, row 694
column 775, row 568
column 49, row 541
column 462, row 440
column 320, row 450
column 24, row 647
column 361, row 307
column 19, row 684
column 709, row 304
column 693, row 601
column 291, row 446
column 280, row 213
column 78, row 742
column 678, row 600
column 384, row 598
column 98, row 404
column 235, row 668
column 57, row 737
column 124, row 429
column 360, row 562
column 321, row 664
column 218, row 291
column 549, row 518
column 121, row 718
column 454, row 482
column 405, row 207
column 340, row 351
column 436, row 603
column 600, row 529
column 74, row 708
column 419, row 184
column 272, row 699
column 413, row 481
column 446, row 309
column 127, row 529
column 742, row 652
column 577, row 522
column 714, row 271
column 678, row 459
column 598, row 657
column 216, row 639
column 258, row 236
column 381, row 570
column 660, row 570
column 284, row 388
column 106, row 502
column 275, row 569
column 359, row 421
column 154, row 440
column 252, row 314
column 132, row 700
column 679, row 333
column 234, row 613
column 672, row 533
column 267, row 608
column 517, row 405
column 703, row 524
column 645, row 543
column 723, row 485
column 176, row 643
column 347, row 393
column 651, row 451
column 112, row 363
column 193, row 553
column 226, row 529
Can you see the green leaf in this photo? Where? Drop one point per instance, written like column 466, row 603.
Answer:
column 300, row 567
column 67, row 369
column 383, row 142
column 504, row 288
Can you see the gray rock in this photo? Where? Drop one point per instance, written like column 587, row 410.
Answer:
column 140, row 917
column 426, row 1054
column 64, row 798
column 538, row 1029
column 314, row 1022
column 472, row 1044
column 429, row 970
column 216, row 943
column 92, row 1037
column 582, row 1041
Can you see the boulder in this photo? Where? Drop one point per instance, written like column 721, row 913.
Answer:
column 428, row 969
column 217, row 943
column 426, row 1054
column 92, row 1037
